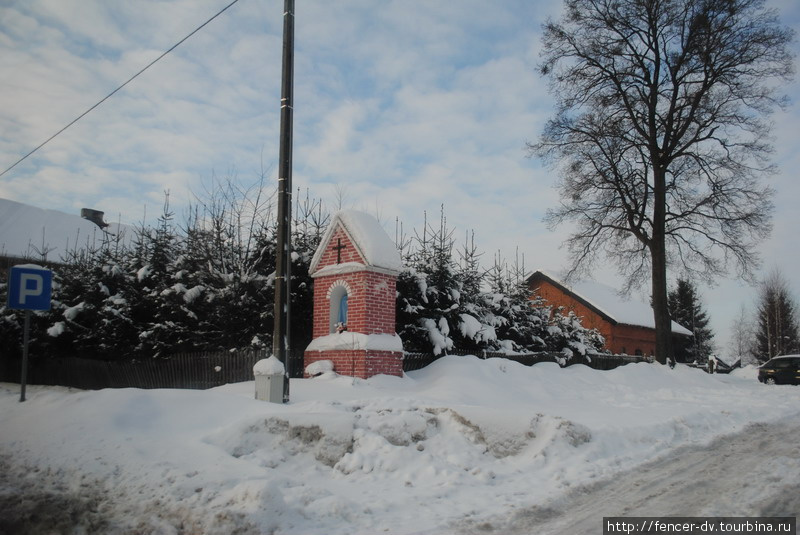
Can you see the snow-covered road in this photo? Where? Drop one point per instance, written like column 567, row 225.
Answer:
column 752, row 473
column 463, row 446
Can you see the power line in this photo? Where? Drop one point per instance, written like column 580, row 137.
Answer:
column 82, row 115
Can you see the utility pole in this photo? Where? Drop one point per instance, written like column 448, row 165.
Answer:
column 283, row 269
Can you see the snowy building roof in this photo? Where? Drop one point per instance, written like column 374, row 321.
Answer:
column 29, row 231
column 608, row 302
column 368, row 237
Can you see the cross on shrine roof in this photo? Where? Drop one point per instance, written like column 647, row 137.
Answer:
column 338, row 247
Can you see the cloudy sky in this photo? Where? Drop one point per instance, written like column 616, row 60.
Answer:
column 403, row 105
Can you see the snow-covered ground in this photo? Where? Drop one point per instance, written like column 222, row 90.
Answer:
column 455, row 443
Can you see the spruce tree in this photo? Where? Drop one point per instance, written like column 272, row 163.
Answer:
column 521, row 323
column 476, row 323
column 158, row 302
column 89, row 316
column 442, row 305
column 441, row 296
column 686, row 310
column 568, row 335
column 411, row 302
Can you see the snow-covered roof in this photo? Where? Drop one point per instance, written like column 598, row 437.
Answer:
column 608, row 302
column 728, row 361
column 26, row 229
column 367, row 235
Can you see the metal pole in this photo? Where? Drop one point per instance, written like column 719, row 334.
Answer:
column 283, row 272
column 25, row 338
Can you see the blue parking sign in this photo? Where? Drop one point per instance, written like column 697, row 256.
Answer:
column 29, row 287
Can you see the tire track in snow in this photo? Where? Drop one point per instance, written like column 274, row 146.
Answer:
column 755, row 472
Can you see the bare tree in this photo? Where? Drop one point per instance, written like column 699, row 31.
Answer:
column 232, row 217
column 777, row 331
column 660, row 135
column 742, row 342
column 341, row 197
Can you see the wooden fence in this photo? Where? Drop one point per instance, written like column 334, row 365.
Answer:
column 191, row 370
column 206, row 370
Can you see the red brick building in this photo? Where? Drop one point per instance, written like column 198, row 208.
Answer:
column 355, row 272
column 627, row 325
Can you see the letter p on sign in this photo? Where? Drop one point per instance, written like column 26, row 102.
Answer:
column 29, row 288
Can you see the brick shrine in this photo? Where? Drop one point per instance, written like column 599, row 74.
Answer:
column 355, row 271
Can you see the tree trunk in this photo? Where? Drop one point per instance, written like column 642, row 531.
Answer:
column 663, row 322
column 658, row 255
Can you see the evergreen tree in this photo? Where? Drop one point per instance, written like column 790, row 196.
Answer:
column 521, row 323
column 568, row 335
column 411, row 303
column 209, row 285
column 469, row 270
column 439, row 306
column 217, row 278
column 442, row 306
column 438, row 314
column 94, row 308
column 88, row 314
column 158, row 294
column 686, row 310
column 476, row 321
column 776, row 323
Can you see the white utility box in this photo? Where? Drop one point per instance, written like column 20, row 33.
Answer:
column 269, row 379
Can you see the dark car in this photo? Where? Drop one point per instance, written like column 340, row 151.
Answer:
column 780, row 370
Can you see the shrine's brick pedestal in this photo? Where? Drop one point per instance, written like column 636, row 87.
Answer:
column 356, row 258
column 358, row 363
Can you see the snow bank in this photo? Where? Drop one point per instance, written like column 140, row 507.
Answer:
column 462, row 438
column 31, row 266
column 319, row 367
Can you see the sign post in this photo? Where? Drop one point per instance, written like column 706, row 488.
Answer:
column 29, row 288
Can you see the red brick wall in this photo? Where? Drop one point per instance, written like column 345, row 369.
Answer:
column 371, row 302
column 359, row 363
column 633, row 340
